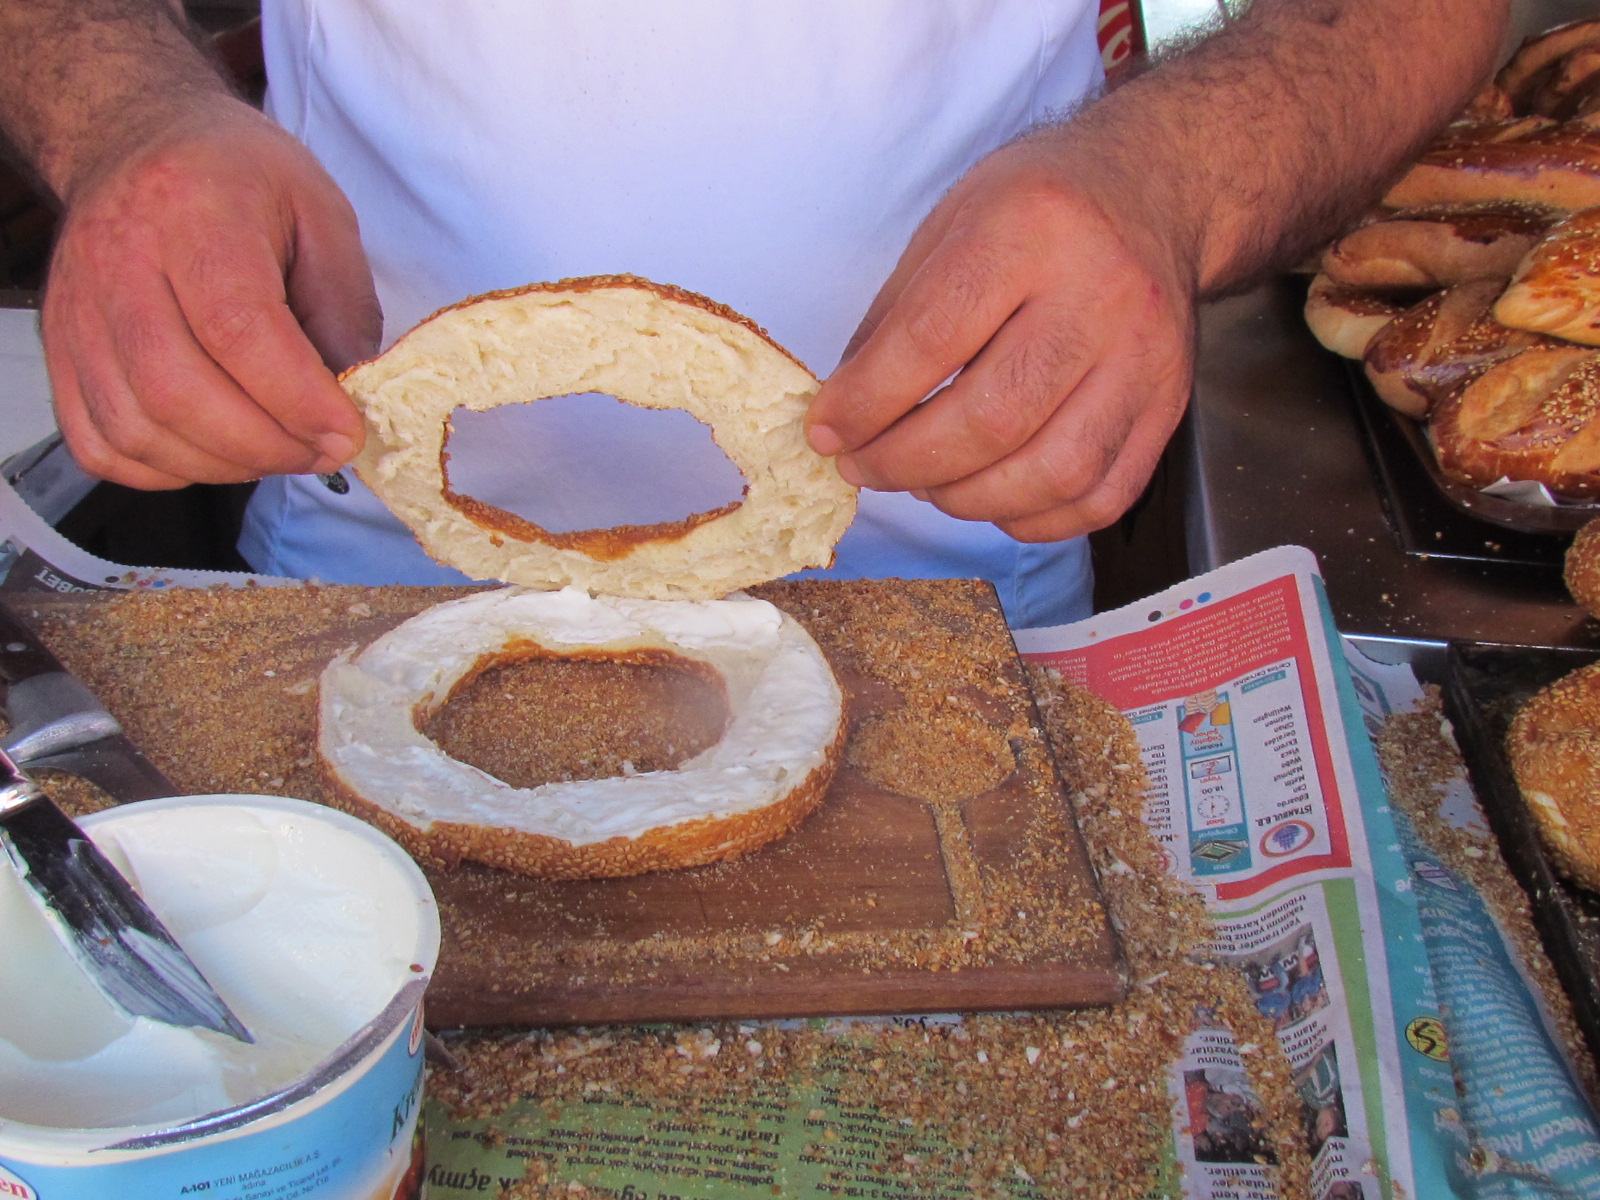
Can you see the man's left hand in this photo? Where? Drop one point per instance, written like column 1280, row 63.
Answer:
column 1026, row 361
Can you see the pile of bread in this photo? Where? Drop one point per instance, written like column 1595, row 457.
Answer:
column 1472, row 294
column 1471, row 297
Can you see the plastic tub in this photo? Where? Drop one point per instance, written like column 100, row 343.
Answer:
column 347, row 1127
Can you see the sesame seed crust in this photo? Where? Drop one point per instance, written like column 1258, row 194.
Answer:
column 1554, row 747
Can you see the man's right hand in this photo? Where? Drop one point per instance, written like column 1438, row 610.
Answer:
column 205, row 287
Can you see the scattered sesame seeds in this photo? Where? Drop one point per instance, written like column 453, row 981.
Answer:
column 955, row 1107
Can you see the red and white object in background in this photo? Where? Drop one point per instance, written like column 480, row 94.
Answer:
column 1121, row 32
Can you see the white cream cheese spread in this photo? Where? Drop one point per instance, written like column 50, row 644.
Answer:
column 305, row 929
column 785, row 708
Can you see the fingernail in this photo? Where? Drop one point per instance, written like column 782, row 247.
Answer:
column 920, row 493
column 337, row 447
column 824, row 440
column 849, row 472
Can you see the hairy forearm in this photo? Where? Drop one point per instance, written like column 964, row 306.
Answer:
column 1253, row 145
column 82, row 79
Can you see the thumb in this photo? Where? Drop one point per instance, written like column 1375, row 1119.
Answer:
column 329, row 284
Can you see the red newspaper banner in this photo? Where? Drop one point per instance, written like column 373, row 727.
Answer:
column 1198, row 668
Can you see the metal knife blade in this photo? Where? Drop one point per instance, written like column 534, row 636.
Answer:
column 47, row 707
column 120, row 943
column 58, row 723
column 113, row 764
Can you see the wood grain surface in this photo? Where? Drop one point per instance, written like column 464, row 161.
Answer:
column 910, row 889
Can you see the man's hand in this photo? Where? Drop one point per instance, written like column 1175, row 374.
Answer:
column 1052, row 292
column 1070, row 338
column 202, row 287
column 207, row 273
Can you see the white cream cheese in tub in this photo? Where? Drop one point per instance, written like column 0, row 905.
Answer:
column 318, row 931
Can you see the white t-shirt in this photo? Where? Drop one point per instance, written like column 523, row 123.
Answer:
column 775, row 157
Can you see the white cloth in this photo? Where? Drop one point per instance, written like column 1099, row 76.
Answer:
column 774, row 156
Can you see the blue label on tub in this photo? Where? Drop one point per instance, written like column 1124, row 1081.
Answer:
column 346, row 1148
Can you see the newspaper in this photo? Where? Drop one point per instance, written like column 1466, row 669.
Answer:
column 1384, row 975
column 1423, row 1058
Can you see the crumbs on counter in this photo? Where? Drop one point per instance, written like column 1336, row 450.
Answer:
column 1057, row 1102
column 220, row 690
column 1419, row 757
column 219, row 687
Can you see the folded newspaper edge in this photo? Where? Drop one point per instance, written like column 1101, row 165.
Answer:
column 1425, row 1058
column 35, row 557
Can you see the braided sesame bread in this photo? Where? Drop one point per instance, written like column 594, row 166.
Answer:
column 1535, row 416
column 1551, row 68
column 1433, row 348
column 1486, row 252
column 1345, row 319
column 1528, row 159
column 1556, row 287
column 1438, row 247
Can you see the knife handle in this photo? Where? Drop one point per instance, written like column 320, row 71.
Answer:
column 49, row 709
column 22, row 654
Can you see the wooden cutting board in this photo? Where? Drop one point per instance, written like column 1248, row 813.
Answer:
column 942, row 872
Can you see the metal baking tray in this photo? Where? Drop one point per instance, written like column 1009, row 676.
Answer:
column 1484, row 685
column 1437, row 517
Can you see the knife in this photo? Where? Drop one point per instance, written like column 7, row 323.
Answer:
column 58, row 723
column 122, row 946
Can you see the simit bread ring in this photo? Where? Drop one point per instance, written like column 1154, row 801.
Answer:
column 772, row 765
column 648, row 345
column 1554, row 747
column 1581, row 568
